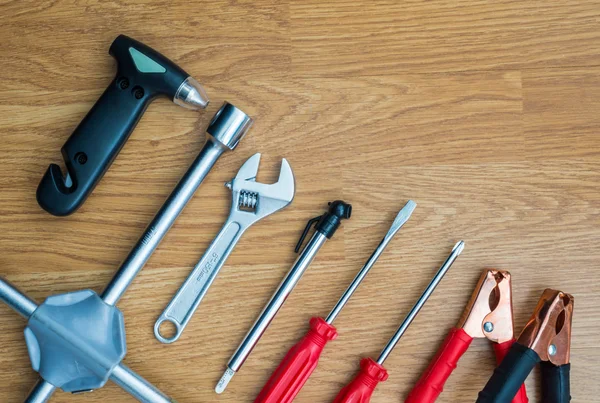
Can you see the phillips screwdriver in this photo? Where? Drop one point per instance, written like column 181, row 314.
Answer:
column 302, row 359
column 325, row 226
column 360, row 389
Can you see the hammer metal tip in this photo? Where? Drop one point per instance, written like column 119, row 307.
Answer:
column 191, row 95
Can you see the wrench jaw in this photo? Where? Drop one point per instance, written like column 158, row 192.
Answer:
column 249, row 170
column 286, row 184
column 257, row 200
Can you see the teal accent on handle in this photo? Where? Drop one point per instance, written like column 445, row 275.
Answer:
column 144, row 64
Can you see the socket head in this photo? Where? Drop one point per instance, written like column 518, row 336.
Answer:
column 229, row 125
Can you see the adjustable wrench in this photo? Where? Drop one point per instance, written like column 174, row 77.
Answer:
column 251, row 201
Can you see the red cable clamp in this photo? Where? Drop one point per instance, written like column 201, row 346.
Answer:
column 487, row 315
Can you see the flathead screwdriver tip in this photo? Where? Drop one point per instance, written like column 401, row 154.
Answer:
column 458, row 248
column 401, row 218
column 224, row 381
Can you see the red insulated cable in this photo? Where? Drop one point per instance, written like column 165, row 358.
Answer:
column 431, row 383
column 297, row 365
column 501, row 349
column 362, row 386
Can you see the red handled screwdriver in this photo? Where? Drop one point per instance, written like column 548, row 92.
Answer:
column 372, row 372
column 301, row 360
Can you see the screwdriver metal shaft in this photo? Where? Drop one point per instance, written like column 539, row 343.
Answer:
column 360, row 389
column 458, row 248
column 402, row 217
column 266, row 316
column 302, row 359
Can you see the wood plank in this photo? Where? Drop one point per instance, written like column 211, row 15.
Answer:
column 387, row 37
column 484, row 113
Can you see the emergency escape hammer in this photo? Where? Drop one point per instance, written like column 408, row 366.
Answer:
column 143, row 74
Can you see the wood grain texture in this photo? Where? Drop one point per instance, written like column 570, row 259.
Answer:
column 483, row 112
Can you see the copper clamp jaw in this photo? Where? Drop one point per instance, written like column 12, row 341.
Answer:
column 545, row 340
column 548, row 332
column 488, row 313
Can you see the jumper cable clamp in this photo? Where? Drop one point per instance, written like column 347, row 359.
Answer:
column 545, row 340
column 488, row 315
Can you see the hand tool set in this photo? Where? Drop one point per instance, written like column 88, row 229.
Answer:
column 76, row 341
column 302, row 359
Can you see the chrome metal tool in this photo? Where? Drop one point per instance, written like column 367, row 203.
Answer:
column 227, row 128
column 67, row 354
column 251, row 202
column 401, row 219
column 61, row 347
column 326, row 226
column 302, row 359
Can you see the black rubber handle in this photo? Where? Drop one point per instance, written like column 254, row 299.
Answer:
column 143, row 74
column 510, row 375
column 556, row 383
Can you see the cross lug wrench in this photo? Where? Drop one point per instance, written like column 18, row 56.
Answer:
column 68, row 328
column 251, row 202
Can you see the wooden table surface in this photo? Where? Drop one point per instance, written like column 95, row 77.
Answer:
column 483, row 112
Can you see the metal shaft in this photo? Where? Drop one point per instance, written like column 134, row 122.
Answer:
column 162, row 222
column 25, row 306
column 228, row 127
column 277, row 300
column 137, row 386
column 121, row 375
column 11, row 296
column 458, row 248
column 403, row 216
column 42, row 391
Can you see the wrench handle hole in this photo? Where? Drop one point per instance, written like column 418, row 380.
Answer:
column 167, row 329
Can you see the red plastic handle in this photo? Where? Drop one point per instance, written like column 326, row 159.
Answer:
column 501, row 349
column 361, row 388
column 297, row 365
column 431, row 383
